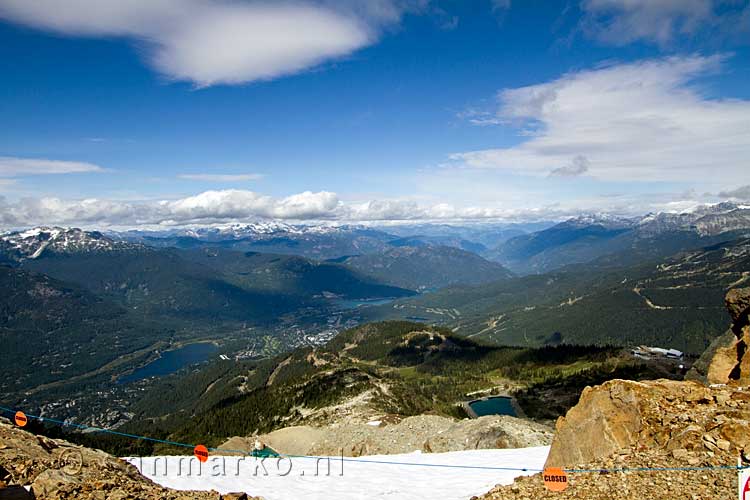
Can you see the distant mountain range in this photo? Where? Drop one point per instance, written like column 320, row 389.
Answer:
column 675, row 302
column 486, row 234
column 425, row 267
column 653, row 236
column 37, row 242
column 292, row 274
column 316, row 242
column 206, row 283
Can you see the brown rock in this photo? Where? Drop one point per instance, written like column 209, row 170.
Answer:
column 738, row 303
column 620, row 415
column 606, row 420
column 737, row 433
column 680, row 454
column 723, row 362
column 58, row 470
column 669, row 425
column 723, row 444
column 727, row 360
column 50, row 482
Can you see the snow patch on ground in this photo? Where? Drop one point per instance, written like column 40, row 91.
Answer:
column 363, row 478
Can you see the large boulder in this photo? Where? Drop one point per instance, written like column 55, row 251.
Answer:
column 727, row 360
column 620, row 416
column 738, row 304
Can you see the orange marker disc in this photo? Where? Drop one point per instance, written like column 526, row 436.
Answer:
column 555, row 479
column 21, row 419
column 201, row 452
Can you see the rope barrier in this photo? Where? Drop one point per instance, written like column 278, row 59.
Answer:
column 383, row 462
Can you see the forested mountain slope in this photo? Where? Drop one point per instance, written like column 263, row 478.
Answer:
column 675, row 303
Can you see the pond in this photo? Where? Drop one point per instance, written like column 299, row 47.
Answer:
column 497, row 405
column 171, row 361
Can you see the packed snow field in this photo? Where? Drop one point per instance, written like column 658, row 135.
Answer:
column 353, row 479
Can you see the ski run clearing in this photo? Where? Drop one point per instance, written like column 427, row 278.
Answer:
column 412, row 476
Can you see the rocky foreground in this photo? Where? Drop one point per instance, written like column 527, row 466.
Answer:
column 46, row 469
column 662, row 424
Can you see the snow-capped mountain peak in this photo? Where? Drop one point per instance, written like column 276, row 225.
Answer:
column 705, row 220
column 33, row 243
column 606, row 220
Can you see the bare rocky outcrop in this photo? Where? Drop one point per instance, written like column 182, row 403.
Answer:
column 727, row 360
column 427, row 433
column 33, row 466
column 668, row 415
column 660, row 423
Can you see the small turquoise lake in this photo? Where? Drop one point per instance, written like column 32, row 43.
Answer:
column 498, row 405
column 171, row 361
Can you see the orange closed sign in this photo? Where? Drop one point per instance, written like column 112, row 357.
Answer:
column 555, row 479
column 201, row 452
column 21, row 419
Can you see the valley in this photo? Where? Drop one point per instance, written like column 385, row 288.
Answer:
column 144, row 304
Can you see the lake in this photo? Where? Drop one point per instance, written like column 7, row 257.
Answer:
column 171, row 361
column 497, row 405
column 355, row 303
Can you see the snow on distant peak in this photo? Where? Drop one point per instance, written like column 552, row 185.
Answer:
column 32, row 243
column 260, row 229
column 603, row 219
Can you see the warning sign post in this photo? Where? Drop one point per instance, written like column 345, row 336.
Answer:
column 21, row 419
column 555, row 479
column 744, row 484
column 201, row 453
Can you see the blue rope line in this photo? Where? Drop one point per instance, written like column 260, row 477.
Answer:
column 383, row 462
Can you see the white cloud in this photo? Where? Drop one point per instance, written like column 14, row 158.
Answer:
column 625, row 21
column 236, row 205
column 408, row 210
column 641, row 121
column 203, row 208
column 222, row 41
column 620, row 22
column 15, row 167
column 214, row 207
column 221, row 177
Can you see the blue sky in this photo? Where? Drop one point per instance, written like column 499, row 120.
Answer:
column 196, row 111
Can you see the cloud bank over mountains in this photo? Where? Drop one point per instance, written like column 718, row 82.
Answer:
column 234, row 205
column 222, row 206
column 210, row 42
